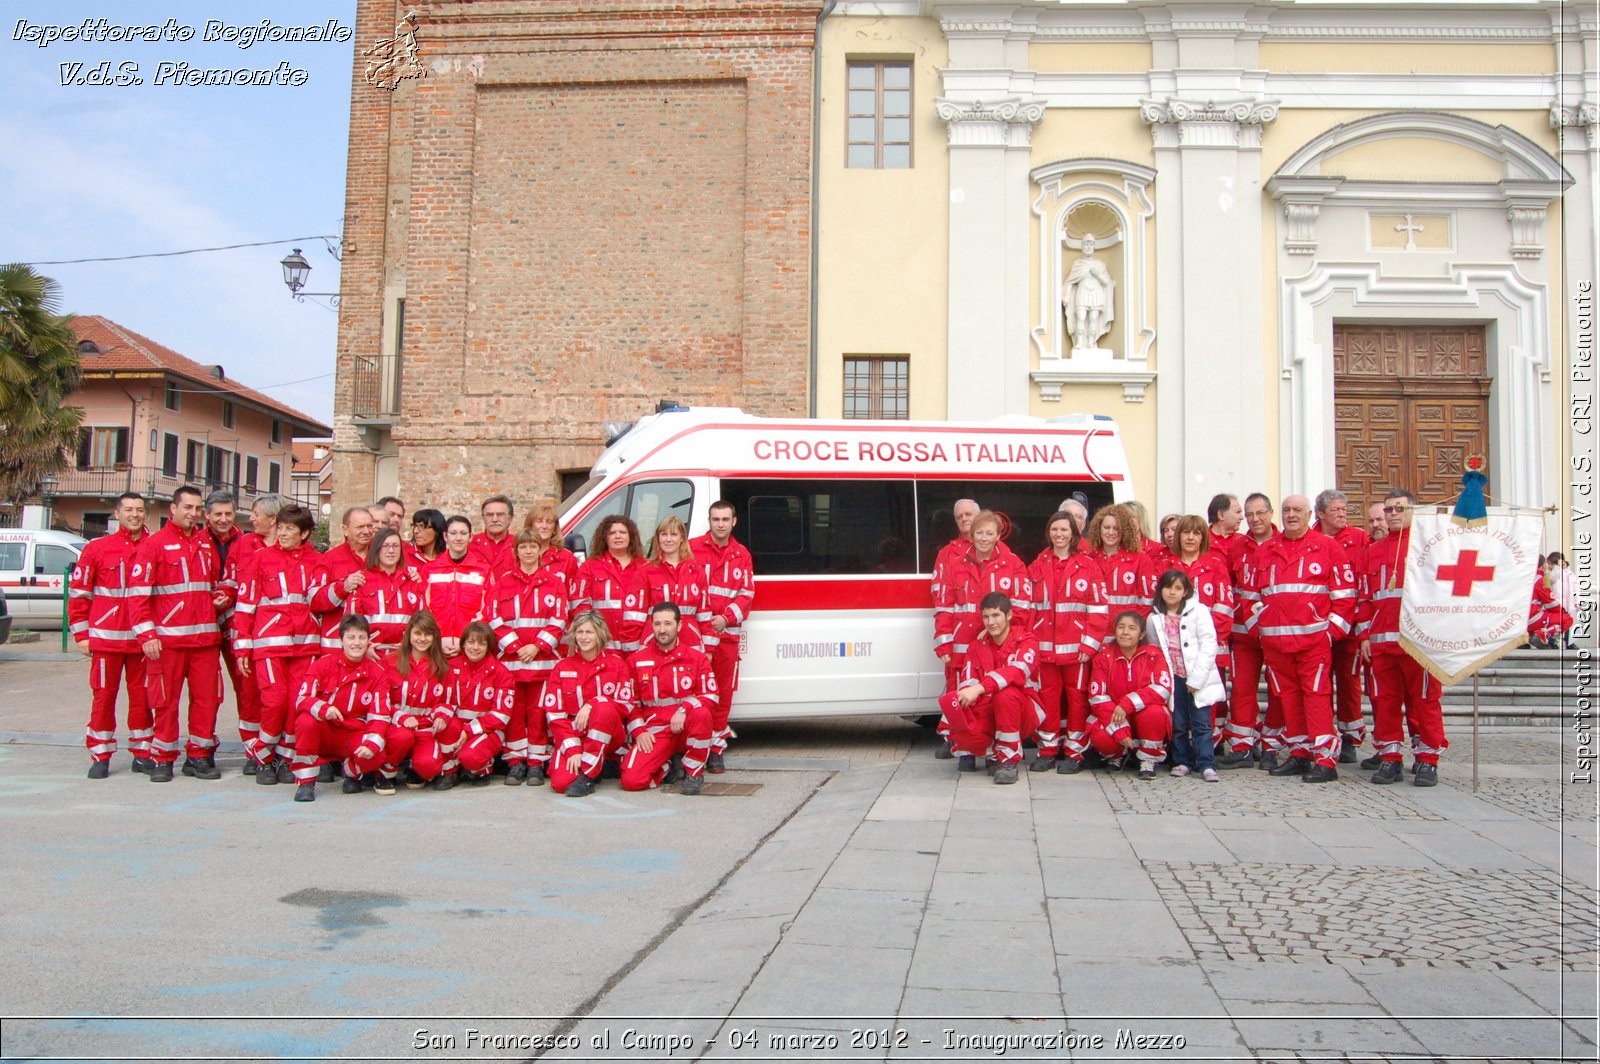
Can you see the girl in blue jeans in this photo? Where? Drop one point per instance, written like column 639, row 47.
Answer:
column 1182, row 628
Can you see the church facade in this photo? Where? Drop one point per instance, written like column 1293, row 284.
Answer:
column 1286, row 245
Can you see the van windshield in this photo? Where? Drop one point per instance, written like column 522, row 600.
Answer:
column 576, row 497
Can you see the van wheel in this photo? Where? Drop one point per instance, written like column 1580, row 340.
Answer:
column 926, row 720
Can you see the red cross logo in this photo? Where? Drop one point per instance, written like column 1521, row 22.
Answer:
column 1465, row 573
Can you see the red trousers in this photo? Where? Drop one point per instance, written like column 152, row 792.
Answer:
column 1401, row 686
column 1064, row 692
column 317, row 740
column 1303, row 678
column 1149, row 728
column 247, row 694
column 527, row 737
column 396, row 748
column 725, row 670
column 996, row 724
column 437, row 752
column 1347, row 677
column 1245, row 726
column 603, row 737
column 642, row 770
column 106, row 672
column 278, row 680
column 165, row 678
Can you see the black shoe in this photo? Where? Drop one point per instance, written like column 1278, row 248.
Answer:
column 674, row 772
column 409, row 779
column 611, row 769
column 1320, row 774
column 1147, row 770
column 1239, row 760
column 944, row 753
column 143, row 765
column 383, row 785
column 285, row 773
column 1042, row 764
column 990, row 766
column 1268, row 763
column 536, row 775
column 1375, row 761
column 1290, row 766
column 251, row 767
column 966, row 763
column 479, row 781
column 327, row 772
column 99, row 770
column 1006, row 773
column 1347, row 754
column 306, row 792
column 445, row 781
column 1389, row 772
column 1069, row 766
column 1415, row 765
column 201, row 768
column 161, row 772
column 267, row 775
column 351, row 785
column 1427, row 775
column 581, row 787
column 518, row 775
column 690, row 785
column 714, row 764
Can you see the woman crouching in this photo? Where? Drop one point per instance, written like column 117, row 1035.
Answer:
column 1128, row 692
column 343, row 712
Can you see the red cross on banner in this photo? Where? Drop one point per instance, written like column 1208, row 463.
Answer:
column 1465, row 573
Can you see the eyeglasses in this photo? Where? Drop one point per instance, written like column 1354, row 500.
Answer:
column 1395, row 509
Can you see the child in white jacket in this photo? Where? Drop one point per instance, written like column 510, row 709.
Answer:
column 1183, row 629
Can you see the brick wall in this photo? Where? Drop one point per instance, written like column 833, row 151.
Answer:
column 591, row 207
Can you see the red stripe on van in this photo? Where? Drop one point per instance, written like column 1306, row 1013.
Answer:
column 865, row 593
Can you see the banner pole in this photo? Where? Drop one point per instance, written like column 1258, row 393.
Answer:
column 1474, row 733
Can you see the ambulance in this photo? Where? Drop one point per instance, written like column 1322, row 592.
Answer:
column 843, row 520
column 33, row 568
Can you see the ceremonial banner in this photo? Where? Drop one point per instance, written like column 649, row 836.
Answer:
column 1465, row 599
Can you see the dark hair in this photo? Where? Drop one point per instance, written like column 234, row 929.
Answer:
column 385, row 534
column 479, row 630
column 387, row 499
column 1191, row 523
column 1218, row 506
column 1168, row 578
column 424, row 620
column 344, row 519
column 458, row 519
column 995, row 600
column 434, row 520
column 299, row 517
column 1072, row 523
column 1137, row 618
column 1254, row 495
column 187, row 489
column 1401, row 493
column 129, row 496
column 355, row 622
column 1555, row 557
column 722, row 504
column 511, row 511
column 666, row 607
column 635, row 545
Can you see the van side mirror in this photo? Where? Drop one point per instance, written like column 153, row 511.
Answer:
column 574, row 542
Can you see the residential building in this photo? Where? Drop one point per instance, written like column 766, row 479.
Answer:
column 311, row 479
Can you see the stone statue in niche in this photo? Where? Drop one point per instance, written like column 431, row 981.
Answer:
column 1088, row 298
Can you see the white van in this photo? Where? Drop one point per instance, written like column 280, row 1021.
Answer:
column 33, row 573
column 844, row 520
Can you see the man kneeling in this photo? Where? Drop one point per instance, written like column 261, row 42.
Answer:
column 996, row 701
column 674, row 692
column 343, row 712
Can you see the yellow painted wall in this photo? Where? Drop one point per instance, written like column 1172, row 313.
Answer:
column 1336, row 57
column 1119, row 57
column 1137, row 421
column 1110, row 133
column 883, row 237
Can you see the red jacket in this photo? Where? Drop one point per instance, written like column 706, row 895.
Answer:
column 683, row 585
column 388, row 601
column 279, row 591
column 995, row 667
column 98, row 601
column 1140, row 682
column 484, row 692
column 730, row 586
column 170, row 585
column 494, row 555
column 1307, row 592
column 1379, row 579
column 1213, row 587
column 1241, row 551
column 1355, row 541
column 457, row 592
column 340, row 561
column 359, row 690
column 1224, row 547
column 1070, row 615
column 618, row 594
column 529, row 610
column 1130, row 581
column 242, row 550
column 664, row 680
column 421, row 697
column 574, row 683
column 963, row 584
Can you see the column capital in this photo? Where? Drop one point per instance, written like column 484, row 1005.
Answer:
column 1585, row 113
column 1006, row 122
column 1228, row 123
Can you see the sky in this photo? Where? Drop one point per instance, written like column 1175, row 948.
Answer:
column 94, row 171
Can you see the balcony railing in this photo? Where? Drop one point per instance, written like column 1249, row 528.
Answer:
column 149, row 481
column 375, row 386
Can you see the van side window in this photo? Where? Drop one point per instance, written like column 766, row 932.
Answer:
column 11, row 555
column 647, row 504
column 826, row 527
column 50, row 560
column 1026, row 504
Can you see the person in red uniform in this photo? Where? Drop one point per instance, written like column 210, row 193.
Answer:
column 346, row 563
column 420, row 687
column 1306, row 599
column 277, row 634
column 995, row 705
column 1377, row 522
column 475, row 733
column 528, row 610
column 1129, row 691
column 1069, row 622
column 458, row 585
column 247, row 694
column 1245, row 728
column 396, row 509
column 730, row 596
column 1403, row 691
column 543, row 522
column 674, row 690
column 1333, row 520
column 342, row 713
column 963, row 512
column 588, row 701
column 1113, row 538
column 1169, row 540
column 427, row 538
column 102, row 630
column 1140, row 539
column 390, row 594
column 672, row 575
column 495, row 544
column 1208, row 571
column 1224, row 515
column 982, row 568
column 171, row 602
column 612, row 583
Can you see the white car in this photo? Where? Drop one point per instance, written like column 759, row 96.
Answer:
column 34, row 568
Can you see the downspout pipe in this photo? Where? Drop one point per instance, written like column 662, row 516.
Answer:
column 816, row 208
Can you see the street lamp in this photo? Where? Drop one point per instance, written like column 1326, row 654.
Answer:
column 295, row 271
column 47, row 494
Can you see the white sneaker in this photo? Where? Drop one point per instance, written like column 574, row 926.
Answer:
column 1209, row 775
column 1180, row 770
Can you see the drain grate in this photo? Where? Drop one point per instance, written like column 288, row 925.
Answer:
column 734, row 790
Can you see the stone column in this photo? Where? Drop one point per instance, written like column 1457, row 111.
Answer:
column 1210, row 364
column 988, row 359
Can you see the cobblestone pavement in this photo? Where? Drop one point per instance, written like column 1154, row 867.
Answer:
column 1469, row 918
column 1251, row 792
column 1544, row 801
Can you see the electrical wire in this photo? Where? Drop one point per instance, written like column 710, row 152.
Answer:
column 188, row 251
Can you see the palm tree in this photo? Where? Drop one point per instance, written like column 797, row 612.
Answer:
column 39, row 370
